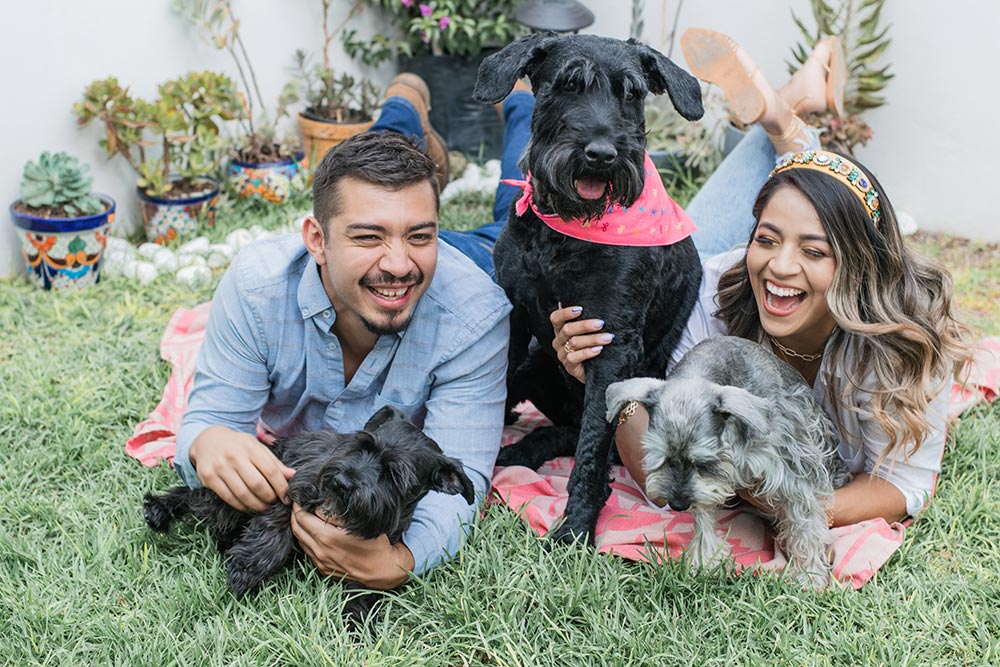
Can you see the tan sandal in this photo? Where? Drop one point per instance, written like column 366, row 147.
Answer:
column 711, row 56
column 836, row 79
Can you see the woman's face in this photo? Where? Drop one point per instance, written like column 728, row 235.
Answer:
column 791, row 265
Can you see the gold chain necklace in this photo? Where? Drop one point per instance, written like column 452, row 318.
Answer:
column 792, row 353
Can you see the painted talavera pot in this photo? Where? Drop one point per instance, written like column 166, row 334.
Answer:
column 64, row 253
column 267, row 181
column 167, row 219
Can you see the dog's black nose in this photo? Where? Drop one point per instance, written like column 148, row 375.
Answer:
column 679, row 504
column 600, row 152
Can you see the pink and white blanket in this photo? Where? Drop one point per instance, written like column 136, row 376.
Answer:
column 627, row 527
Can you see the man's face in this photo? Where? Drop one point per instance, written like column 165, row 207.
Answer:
column 380, row 254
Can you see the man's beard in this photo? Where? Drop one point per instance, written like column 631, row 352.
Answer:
column 387, row 329
column 415, row 278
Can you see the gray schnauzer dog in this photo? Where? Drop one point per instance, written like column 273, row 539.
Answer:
column 370, row 480
column 731, row 416
column 586, row 154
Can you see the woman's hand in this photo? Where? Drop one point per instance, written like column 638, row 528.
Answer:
column 576, row 341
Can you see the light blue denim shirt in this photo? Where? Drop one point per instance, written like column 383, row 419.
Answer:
column 269, row 355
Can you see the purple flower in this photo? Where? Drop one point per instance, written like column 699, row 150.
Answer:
column 424, row 37
column 443, row 22
column 407, row 3
column 425, row 10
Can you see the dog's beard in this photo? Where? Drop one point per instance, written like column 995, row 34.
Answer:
column 556, row 170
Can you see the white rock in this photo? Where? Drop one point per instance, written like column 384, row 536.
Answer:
column 238, row 238
column 492, row 169
column 117, row 244
column 907, row 223
column 165, row 260
column 188, row 259
column 147, row 250
column 219, row 260
column 146, row 272
column 194, row 275
column 197, row 246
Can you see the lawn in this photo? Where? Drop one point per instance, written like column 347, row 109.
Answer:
column 84, row 582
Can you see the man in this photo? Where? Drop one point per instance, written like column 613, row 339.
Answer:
column 365, row 309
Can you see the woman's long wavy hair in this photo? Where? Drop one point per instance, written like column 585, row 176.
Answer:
column 893, row 310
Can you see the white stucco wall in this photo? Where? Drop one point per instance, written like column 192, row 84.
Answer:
column 933, row 147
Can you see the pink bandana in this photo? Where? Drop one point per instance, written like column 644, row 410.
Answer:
column 654, row 219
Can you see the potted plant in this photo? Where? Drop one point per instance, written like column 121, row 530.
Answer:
column 260, row 166
column 676, row 144
column 337, row 105
column 443, row 42
column 856, row 22
column 175, row 184
column 63, row 226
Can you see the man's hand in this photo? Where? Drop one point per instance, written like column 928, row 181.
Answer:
column 373, row 563
column 241, row 470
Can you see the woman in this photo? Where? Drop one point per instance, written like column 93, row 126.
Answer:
column 825, row 282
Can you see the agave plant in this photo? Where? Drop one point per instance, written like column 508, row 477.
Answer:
column 856, row 22
column 59, row 180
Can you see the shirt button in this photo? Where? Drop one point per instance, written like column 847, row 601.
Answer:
column 305, row 312
column 326, row 314
column 331, row 346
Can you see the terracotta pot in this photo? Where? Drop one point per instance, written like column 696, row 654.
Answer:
column 64, row 253
column 166, row 219
column 319, row 135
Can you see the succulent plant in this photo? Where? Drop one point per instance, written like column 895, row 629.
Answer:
column 185, row 122
column 59, row 180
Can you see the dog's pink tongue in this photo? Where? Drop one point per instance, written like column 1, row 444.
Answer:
column 590, row 188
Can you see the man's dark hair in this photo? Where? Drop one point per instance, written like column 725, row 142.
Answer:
column 386, row 159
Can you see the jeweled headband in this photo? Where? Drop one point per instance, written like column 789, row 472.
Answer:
column 840, row 168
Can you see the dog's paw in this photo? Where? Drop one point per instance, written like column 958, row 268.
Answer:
column 513, row 455
column 567, row 534
column 242, row 580
column 157, row 516
column 360, row 606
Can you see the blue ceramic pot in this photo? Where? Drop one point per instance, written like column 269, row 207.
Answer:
column 166, row 219
column 64, row 253
column 268, row 181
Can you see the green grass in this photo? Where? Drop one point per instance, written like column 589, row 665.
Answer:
column 84, row 582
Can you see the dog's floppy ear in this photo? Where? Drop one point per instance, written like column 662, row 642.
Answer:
column 499, row 72
column 664, row 76
column 384, row 414
column 618, row 394
column 450, row 478
column 753, row 411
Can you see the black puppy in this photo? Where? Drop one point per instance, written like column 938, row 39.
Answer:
column 370, row 480
column 586, row 154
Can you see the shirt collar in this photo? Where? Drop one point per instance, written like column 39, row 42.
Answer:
column 312, row 296
column 313, row 299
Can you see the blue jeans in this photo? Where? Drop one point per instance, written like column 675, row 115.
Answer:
column 399, row 115
column 722, row 208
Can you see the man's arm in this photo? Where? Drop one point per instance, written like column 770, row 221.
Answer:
column 465, row 413
column 465, row 416
column 216, row 446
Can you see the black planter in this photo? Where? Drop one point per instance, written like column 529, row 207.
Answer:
column 466, row 125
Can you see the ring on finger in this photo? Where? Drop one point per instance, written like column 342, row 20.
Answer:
column 569, row 348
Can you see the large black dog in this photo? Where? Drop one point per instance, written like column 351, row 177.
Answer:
column 371, row 480
column 587, row 131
